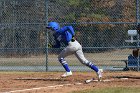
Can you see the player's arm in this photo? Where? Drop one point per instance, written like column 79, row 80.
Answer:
column 71, row 30
column 56, row 45
column 68, row 28
column 57, row 42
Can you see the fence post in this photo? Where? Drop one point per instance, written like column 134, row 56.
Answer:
column 46, row 22
column 137, row 22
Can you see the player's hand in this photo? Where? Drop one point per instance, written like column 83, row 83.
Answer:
column 73, row 39
column 50, row 45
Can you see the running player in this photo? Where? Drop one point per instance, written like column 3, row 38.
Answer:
column 66, row 35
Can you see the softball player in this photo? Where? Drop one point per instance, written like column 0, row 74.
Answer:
column 66, row 35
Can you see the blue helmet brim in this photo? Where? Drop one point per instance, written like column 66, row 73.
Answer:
column 48, row 27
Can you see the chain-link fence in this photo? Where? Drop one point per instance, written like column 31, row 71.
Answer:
column 101, row 27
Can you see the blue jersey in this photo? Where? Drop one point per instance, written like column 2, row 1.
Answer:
column 64, row 35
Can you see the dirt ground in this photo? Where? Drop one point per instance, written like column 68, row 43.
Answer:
column 50, row 82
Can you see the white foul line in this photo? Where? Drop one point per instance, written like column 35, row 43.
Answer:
column 25, row 90
column 41, row 88
column 49, row 87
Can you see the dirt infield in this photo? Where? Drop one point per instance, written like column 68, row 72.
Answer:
column 50, row 82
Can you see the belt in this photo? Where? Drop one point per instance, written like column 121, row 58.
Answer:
column 72, row 40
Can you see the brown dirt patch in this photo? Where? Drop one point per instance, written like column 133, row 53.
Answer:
column 46, row 82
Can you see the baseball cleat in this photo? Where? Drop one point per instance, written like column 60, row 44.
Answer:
column 99, row 74
column 66, row 74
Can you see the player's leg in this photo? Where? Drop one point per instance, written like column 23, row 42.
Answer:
column 66, row 52
column 79, row 54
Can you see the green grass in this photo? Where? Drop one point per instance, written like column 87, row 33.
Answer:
column 112, row 90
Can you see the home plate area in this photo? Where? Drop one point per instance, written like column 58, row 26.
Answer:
column 109, row 79
column 67, row 84
column 64, row 79
column 52, row 86
column 52, row 83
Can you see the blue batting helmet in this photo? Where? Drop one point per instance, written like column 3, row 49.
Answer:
column 53, row 25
